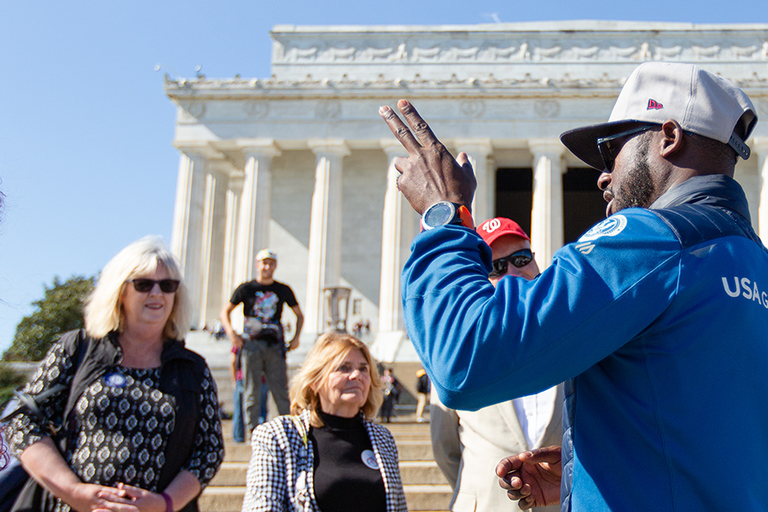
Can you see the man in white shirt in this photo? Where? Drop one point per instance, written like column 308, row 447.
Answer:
column 468, row 445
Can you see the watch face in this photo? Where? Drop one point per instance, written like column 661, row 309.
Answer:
column 439, row 214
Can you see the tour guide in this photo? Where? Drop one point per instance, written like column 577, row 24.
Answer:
column 656, row 317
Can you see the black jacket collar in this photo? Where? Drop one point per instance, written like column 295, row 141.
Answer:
column 715, row 190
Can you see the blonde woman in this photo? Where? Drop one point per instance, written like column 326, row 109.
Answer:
column 330, row 455
column 141, row 430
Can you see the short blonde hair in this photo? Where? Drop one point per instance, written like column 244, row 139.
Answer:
column 103, row 310
column 327, row 354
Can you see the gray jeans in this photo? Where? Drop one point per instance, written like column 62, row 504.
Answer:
column 258, row 358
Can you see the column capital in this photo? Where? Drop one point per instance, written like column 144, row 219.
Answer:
column 392, row 147
column 477, row 146
column 546, row 146
column 201, row 149
column 220, row 166
column 332, row 146
column 258, row 147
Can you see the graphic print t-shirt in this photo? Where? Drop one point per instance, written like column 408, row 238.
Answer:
column 263, row 304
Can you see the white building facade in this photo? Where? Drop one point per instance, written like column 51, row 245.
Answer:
column 302, row 163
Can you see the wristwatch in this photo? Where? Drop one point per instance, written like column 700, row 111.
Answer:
column 444, row 213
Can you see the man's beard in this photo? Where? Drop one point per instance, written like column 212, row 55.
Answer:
column 637, row 188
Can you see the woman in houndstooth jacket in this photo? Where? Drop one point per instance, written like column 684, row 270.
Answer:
column 329, row 455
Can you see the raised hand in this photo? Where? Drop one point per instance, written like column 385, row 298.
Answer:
column 430, row 173
column 533, row 477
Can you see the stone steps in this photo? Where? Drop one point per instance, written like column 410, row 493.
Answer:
column 417, row 472
column 424, row 485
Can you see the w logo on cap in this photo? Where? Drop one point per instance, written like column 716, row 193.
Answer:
column 491, row 225
column 654, row 105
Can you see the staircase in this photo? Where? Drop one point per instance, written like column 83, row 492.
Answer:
column 424, row 484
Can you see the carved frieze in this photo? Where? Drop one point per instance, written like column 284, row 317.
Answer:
column 192, row 111
column 547, row 109
column 547, row 56
column 473, row 109
column 328, row 110
column 564, row 49
column 257, row 109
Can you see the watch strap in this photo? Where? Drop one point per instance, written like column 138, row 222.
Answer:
column 462, row 217
column 465, row 216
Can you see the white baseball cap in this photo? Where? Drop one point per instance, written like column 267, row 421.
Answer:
column 702, row 102
column 266, row 254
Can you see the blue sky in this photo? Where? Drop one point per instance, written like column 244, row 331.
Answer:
column 86, row 160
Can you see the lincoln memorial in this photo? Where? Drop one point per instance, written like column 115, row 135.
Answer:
column 301, row 162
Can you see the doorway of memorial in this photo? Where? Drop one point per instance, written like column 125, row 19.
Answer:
column 583, row 204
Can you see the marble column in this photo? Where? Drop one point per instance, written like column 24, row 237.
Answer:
column 213, row 237
column 479, row 150
column 547, row 211
column 186, row 238
column 395, row 239
column 399, row 226
column 230, row 236
column 760, row 149
column 255, row 205
column 324, row 254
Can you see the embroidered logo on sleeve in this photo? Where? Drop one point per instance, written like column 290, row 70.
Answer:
column 611, row 226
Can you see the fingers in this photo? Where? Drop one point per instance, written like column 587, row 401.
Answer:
column 400, row 131
column 116, row 507
column 131, row 491
column 419, row 126
column 515, row 488
column 508, row 465
column 551, row 454
column 111, row 497
column 463, row 160
column 524, row 503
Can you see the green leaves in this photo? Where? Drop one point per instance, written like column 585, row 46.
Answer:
column 60, row 310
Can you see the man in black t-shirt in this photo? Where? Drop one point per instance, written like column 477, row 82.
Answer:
column 262, row 344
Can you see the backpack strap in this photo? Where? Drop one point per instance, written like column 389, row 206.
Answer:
column 30, row 404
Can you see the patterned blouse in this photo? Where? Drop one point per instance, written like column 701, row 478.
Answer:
column 122, row 424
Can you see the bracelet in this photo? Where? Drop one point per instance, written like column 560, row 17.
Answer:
column 168, row 502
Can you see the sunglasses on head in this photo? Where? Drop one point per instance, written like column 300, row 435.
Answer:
column 607, row 145
column 143, row 285
column 518, row 259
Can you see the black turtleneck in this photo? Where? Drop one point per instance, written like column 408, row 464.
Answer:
column 343, row 482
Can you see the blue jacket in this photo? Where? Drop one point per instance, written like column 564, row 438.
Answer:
column 658, row 320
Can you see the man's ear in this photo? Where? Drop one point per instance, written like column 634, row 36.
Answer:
column 673, row 138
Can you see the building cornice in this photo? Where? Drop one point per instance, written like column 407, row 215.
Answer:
column 273, row 88
column 526, row 26
column 517, row 58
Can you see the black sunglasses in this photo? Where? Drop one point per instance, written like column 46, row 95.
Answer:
column 606, row 147
column 518, row 259
column 142, row 285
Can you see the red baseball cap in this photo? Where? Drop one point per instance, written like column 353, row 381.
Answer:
column 492, row 229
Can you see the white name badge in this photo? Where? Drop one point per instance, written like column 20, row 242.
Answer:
column 369, row 459
column 115, row 380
